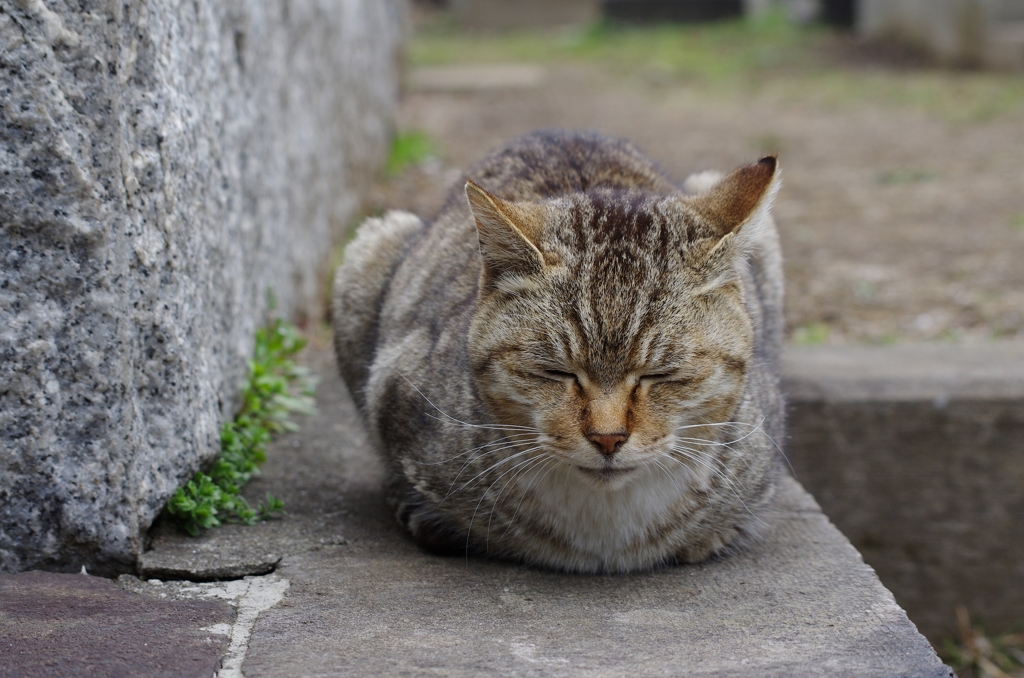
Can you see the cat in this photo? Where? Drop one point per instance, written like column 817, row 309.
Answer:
column 574, row 364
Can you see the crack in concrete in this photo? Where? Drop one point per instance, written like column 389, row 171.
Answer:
column 250, row 596
column 262, row 594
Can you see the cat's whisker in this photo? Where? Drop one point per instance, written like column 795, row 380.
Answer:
column 450, row 418
column 716, row 466
column 729, row 484
column 719, row 423
column 695, row 457
column 758, row 427
column 539, row 461
column 491, row 427
column 703, row 441
column 504, row 440
column 754, row 428
column 483, row 495
column 452, row 490
column 782, row 453
column 723, row 473
column 664, row 468
column 554, row 463
column 496, row 465
column 477, row 457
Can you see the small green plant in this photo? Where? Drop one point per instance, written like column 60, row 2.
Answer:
column 408, row 148
column 274, row 389
column 977, row 655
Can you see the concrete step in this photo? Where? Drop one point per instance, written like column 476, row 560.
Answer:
column 916, row 453
column 363, row 600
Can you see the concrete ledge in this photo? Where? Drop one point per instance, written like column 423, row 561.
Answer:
column 917, row 454
column 937, row 373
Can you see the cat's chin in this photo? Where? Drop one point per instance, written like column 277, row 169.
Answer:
column 606, row 476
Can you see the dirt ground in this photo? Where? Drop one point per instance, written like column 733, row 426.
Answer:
column 898, row 222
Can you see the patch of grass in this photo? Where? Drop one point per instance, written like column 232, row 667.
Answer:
column 274, row 389
column 1017, row 222
column 811, row 335
column 408, row 148
column 977, row 655
column 716, row 51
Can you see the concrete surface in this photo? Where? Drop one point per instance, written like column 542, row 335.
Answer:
column 363, row 600
column 79, row 625
column 246, row 597
column 917, row 454
column 161, row 165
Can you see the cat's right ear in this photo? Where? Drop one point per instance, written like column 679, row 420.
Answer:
column 507, row 232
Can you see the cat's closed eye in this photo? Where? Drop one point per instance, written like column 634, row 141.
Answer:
column 676, row 378
column 558, row 375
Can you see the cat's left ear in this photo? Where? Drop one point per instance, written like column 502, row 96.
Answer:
column 738, row 207
column 508, row 233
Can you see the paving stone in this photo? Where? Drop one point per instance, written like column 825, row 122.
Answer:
column 79, row 625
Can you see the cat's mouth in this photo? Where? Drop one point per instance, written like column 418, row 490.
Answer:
column 606, row 473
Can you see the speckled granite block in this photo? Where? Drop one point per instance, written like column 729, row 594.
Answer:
column 161, row 165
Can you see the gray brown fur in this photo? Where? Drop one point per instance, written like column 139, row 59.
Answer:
column 524, row 363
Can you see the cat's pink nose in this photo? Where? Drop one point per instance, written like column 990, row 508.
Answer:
column 608, row 443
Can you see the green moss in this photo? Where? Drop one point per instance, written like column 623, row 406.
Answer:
column 274, row 389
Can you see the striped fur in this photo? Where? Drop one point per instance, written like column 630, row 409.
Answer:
column 573, row 365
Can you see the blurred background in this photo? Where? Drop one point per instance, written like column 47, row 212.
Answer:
column 899, row 124
column 902, row 215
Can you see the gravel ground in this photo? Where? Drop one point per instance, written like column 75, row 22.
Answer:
column 900, row 219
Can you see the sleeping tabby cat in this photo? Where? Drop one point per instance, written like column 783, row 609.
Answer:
column 573, row 365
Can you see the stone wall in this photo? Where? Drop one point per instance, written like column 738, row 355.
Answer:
column 162, row 164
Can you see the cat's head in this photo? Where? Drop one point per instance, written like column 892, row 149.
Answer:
column 609, row 319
